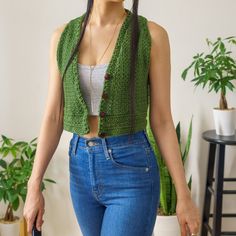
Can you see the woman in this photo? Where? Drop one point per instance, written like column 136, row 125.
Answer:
column 106, row 60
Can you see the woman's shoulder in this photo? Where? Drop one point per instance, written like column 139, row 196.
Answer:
column 158, row 32
column 68, row 24
column 156, row 27
column 59, row 29
column 66, row 29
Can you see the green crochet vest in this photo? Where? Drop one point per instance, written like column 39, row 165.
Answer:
column 115, row 113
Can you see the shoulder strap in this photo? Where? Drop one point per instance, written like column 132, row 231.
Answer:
column 67, row 41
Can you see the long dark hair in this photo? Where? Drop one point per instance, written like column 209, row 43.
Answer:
column 133, row 54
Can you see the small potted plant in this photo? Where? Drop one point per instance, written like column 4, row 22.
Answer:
column 167, row 222
column 14, row 175
column 218, row 70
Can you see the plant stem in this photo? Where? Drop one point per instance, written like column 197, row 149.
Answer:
column 9, row 213
column 223, row 102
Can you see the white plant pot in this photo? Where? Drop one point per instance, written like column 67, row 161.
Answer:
column 10, row 228
column 166, row 226
column 224, row 121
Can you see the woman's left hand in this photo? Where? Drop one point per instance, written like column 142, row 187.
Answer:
column 188, row 217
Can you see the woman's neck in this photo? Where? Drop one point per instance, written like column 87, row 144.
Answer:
column 106, row 13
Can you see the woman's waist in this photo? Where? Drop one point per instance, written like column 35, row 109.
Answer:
column 136, row 138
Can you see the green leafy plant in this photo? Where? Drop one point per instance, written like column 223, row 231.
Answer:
column 217, row 68
column 168, row 198
column 14, row 174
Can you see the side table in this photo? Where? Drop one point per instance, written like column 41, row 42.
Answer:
column 218, row 190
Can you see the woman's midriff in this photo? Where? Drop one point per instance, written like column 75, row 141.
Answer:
column 93, row 125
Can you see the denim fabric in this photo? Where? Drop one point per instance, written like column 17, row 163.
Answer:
column 114, row 184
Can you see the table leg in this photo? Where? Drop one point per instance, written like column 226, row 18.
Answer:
column 218, row 192
column 209, row 180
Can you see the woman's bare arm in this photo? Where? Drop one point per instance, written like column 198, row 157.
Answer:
column 160, row 109
column 52, row 122
column 162, row 124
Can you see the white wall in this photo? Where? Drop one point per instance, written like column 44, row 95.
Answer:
column 26, row 28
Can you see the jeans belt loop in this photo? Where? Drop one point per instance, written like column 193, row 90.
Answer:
column 106, row 150
column 76, row 144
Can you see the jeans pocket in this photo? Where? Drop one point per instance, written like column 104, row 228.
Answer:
column 134, row 157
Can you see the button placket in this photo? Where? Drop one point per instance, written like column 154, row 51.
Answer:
column 102, row 134
column 102, row 113
column 107, row 76
column 104, row 97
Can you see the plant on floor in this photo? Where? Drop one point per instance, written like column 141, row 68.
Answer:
column 217, row 68
column 168, row 198
column 14, row 174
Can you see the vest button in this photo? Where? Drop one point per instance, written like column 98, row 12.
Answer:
column 107, row 76
column 105, row 95
column 102, row 113
column 102, row 134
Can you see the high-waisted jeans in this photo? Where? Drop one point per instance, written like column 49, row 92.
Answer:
column 114, row 184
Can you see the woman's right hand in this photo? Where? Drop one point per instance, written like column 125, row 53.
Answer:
column 34, row 207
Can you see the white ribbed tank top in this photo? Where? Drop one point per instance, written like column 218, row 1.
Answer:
column 97, row 81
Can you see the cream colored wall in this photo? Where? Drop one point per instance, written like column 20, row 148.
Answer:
column 26, row 28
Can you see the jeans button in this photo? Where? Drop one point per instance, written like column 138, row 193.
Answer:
column 90, row 143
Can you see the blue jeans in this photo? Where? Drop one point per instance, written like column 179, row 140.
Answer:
column 114, row 184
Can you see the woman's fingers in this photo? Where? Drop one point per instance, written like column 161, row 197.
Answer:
column 33, row 209
column 183, row 229
column 39, row 220
column 189, row 217
column 193, row 227
column 30, row 222
column 194, row 223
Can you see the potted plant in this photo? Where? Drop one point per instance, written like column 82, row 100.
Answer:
column 14, row 175
column 218, row 70
column 167, row 221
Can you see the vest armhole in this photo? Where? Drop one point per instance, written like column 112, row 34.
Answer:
column 149, row 34
column 148, row 39
column 59, row 51
column 145, row 25
column 148, row 44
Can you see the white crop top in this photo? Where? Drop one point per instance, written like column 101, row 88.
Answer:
column 97, row 82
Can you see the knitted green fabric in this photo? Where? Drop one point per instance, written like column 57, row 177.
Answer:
column 115, row 113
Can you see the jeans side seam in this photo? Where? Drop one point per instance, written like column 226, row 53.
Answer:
column 150, row 209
